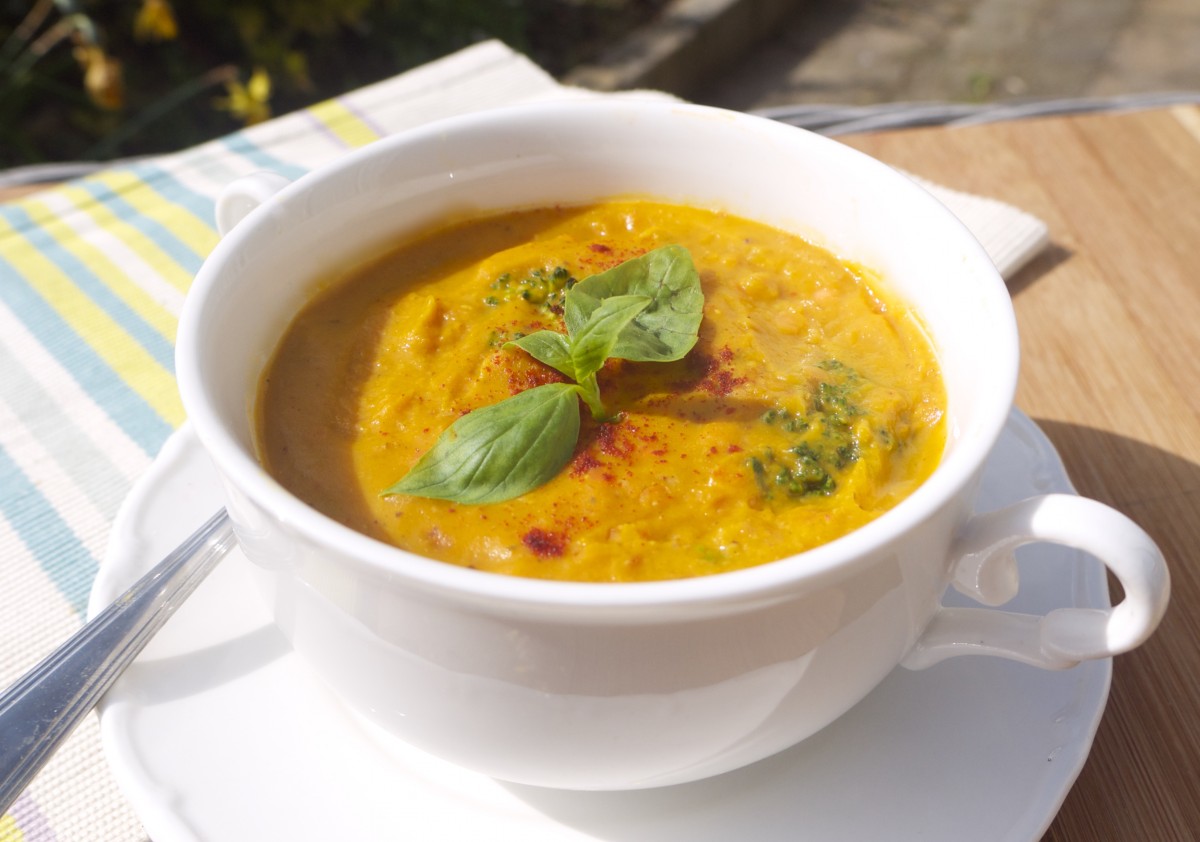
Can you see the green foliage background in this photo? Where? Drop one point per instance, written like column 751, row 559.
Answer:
column 312, row 50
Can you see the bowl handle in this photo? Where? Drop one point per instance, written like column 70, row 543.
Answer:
column 238, row 198
column 987, row 571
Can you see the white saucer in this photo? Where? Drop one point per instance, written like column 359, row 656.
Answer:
column 218, row 732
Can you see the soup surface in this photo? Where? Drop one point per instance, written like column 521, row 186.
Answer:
column 811, row 403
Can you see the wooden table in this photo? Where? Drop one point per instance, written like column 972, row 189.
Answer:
column 1110, row 327
column 11, row 194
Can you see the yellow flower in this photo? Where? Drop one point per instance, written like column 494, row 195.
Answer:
column 101, row 76
column 155, row 21
column 248, row 102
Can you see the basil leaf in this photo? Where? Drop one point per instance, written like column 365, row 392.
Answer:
column 646, row 309
column 548, row 347
column 667, row 329
column 500, row 451
column 593, row 343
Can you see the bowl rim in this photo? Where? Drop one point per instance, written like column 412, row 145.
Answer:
column 953, row 475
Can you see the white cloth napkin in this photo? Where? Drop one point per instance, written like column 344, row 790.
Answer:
column 1010, row 236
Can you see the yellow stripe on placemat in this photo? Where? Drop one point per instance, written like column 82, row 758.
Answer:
column 133, row 363
column 9, row 831
column 344, row 123
column 197, row 234
column 103, row 267
column 179, row 277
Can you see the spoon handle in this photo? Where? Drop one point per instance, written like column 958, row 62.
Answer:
column 43, row 707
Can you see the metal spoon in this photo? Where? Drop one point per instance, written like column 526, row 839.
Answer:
column 43, row 707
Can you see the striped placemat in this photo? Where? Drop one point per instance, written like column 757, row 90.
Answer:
column 93, row 274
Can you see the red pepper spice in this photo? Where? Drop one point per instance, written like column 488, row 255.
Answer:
column 604, row 257
column 524, row 372
column 543, row 543
column 584, row 461
column 527, row 378
column 615, row 439
column 713, row 374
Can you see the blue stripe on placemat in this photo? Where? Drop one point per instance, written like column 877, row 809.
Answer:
column 31, row 821
column 57, row 549
column 99, row 479
column 162, row 236
column 105, row 386
column 157, row 345
column 242, row 145
column 175, row 191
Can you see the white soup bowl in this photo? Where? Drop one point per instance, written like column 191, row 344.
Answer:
column 619, row 686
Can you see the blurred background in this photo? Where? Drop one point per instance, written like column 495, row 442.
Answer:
column 98, row 79
column 95, row 79
column 873, row 51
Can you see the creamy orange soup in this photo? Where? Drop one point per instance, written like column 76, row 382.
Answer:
column 811, row 403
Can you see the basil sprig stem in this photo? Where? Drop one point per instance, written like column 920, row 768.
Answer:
column 647, row 309
column 581, row 354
